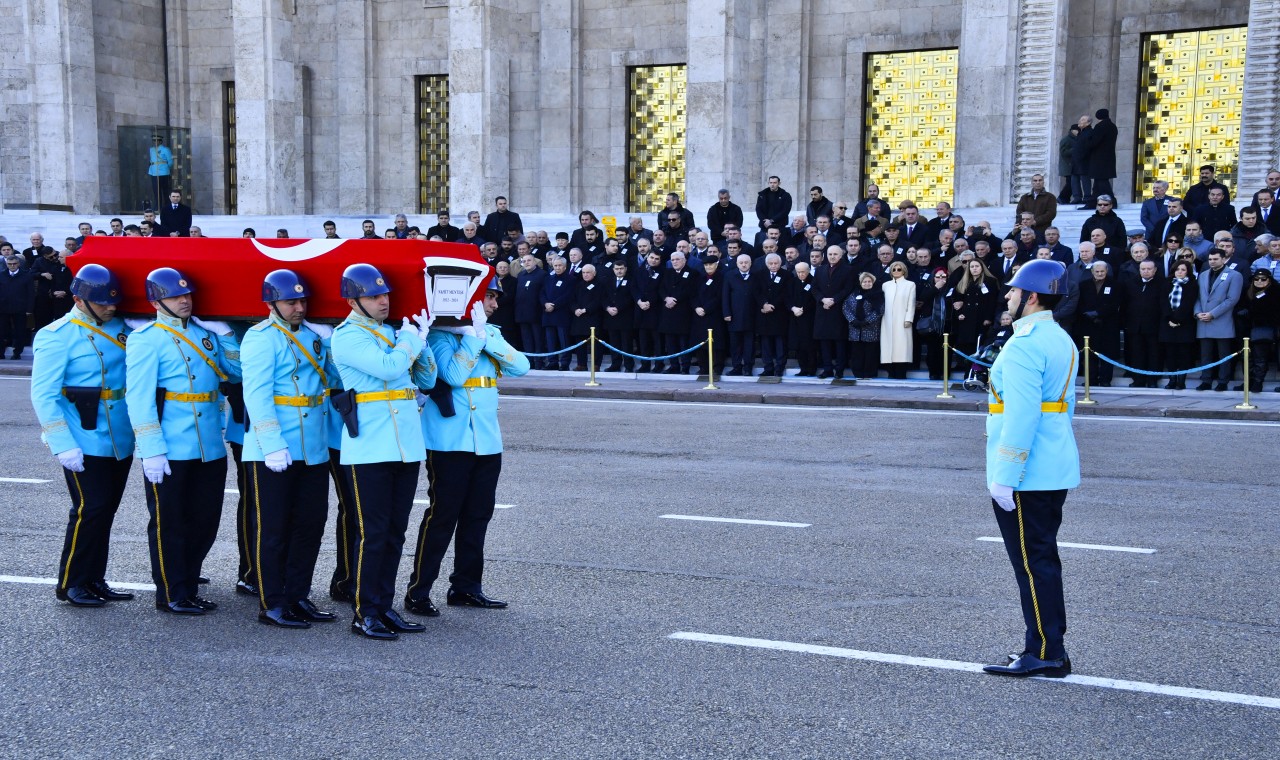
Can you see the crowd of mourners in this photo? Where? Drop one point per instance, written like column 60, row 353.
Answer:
column 839, row 288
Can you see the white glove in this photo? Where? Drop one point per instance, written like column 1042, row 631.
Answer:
column 72, row 459
column 424, row 323
column 278, row 461
column 322, row 331
column 155, row 468
column 137, row 324
column 1002, row 496
column 478, row 320
column 408, row 335
column 217, row 328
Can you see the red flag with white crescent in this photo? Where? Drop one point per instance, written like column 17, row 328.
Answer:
column 227, row 272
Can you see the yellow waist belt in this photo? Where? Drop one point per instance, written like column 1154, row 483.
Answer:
column 408, row 394
column 481, row 382
column 1045, row 406
column 108, row 394
column 300, row 401
column 190, row 398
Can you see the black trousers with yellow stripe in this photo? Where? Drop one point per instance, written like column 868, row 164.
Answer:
column 289, row 510
column 463, row 487
column 95, row 497
column 244, row 519
column 382, row 497
column 1030, row 535
column 344, row 523
column 184, row 511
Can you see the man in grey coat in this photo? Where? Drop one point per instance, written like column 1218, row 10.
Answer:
column 1219, row 291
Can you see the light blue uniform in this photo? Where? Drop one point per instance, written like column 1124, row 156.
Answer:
column 284, row 396
column 333, row 420
column 372, row 360
column 1030, row 446
column 474, row 426
column 71, row 355
column 158, row 359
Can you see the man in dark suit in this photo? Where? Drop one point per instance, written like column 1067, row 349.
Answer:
column 1198, row 194
column 1217, row 215
column 1268, row 214
column 1273, row 184
column 739, row 313
column 17, row 299
column 500, row 221
column 1174, row 224
column 1009, row 258
column 773, row 205
column 1141, row 298
column 175, row 216
column 915, row 232
column 444, row 229
column 1102, row 155
column 721, row 214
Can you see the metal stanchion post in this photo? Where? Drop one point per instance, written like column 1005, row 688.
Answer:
column 946, row 367
column 1244, row 354
column 1087, row 350
column 591, row 357
column 711, row 362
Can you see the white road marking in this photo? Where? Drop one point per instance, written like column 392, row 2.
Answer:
column 23, row 480
column 735, row 520
column 54, row 582
column 879, row 410
column 973, row 667
column 497, row 506
column 1069, row 545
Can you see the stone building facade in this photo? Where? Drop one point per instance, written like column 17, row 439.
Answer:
column 316, row 106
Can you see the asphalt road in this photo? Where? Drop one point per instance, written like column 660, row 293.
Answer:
column 582, row 664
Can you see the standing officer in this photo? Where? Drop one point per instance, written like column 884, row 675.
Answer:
column 77, row 389
column 286, row 452
column 1032, row 460
column 464, row 457
column 173, row 369
column 382, row 443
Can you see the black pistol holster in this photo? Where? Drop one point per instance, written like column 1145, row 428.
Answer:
column 85, row 399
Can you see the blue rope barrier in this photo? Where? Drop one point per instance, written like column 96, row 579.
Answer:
column 1127, row 368
column 556, row 353
column 651, row 358
column 973, row 359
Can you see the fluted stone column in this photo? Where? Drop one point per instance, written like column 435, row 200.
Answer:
column 268, row 109
column 1038, row 103
column 716, row 135
column 479, row 102
column 1259, row 122
column 63, row 116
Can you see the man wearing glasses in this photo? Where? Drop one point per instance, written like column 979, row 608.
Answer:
column 1105, row 219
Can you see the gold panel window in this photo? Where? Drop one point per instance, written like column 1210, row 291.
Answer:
column 909, row 133
column 433, row 143
column 1189, row 102
column 655, row 135
column 229, row 169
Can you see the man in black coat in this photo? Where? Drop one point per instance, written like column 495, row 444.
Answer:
column 175, row 216
column 722, row 213
column 619, row 316
column 529, row 308
column 1102, row 154
column 773, row 205
column 676, row 290
column 739, row 315
column 915, row 231
column 53, row 287
column 818, row 206
column 1141, row 299
column 17, row 299
column 708, row 314
column 673, row 206
column 500, row 221
column 443, row 229
column 1216, row 215
column 1198, row 194
column 769, row 296
column 1105, row 219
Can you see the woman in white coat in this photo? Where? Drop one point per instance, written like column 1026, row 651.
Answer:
column 895, row 325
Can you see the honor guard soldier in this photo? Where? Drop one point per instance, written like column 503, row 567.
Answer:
column 345, row 526
column 174, row 367
column 381, row 443
column 286, row 452
column 77, row 389
column 464, row 456
column 1032, row 460
column 234, row 432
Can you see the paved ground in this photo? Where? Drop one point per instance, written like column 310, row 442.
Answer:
column 583, row 664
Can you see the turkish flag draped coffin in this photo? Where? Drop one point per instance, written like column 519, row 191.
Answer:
column 227, row 273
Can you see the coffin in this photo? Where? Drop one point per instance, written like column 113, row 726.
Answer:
column 227, row 272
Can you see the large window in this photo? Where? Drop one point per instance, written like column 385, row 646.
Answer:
column 655, row 135
column 433, row 143
column 1189, row 105
column 909, row 132
column 229, row 144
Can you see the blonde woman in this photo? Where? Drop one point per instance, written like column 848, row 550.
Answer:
column 895, row 323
